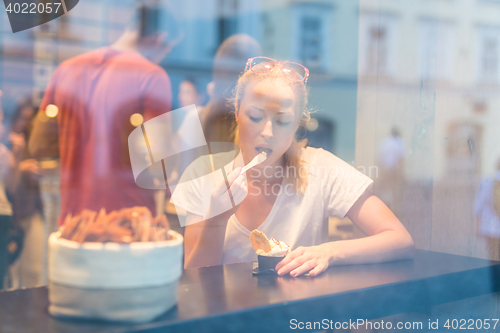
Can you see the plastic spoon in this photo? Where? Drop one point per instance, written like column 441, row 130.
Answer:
column 256, row 160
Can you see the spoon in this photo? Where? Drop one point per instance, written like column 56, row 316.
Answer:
column 256, row 160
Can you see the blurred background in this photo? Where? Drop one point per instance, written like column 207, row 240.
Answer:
column 406, row 91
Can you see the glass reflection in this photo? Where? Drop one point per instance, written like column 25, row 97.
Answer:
column 405, row 92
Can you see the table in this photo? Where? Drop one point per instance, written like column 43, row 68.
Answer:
column 228, row 298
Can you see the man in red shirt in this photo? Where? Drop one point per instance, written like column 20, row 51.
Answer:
column 85, row 115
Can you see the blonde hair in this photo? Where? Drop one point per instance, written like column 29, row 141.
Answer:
column 292, row 155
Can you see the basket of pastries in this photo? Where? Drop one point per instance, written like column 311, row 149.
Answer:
column 121, row 266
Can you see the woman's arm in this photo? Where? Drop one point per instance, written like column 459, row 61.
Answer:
column 204, row 240
column 204, row 236
column 387, row 240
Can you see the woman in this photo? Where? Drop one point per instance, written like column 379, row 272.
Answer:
column 291, row 194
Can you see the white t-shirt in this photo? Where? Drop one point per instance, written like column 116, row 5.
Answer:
column 298, row 220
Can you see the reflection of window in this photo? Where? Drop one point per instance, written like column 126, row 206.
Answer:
column 228, row 24
column 311, row 41
column 377, row 49
column 377, row 53
column 310, row 35
column 487, row 54
column 436, row 49
column 489, row 63
column 268, row 31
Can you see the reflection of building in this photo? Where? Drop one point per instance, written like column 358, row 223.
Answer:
column 310, row 34
column 487, row 54
column 323, row 36
column 426, row 67
column 320, row 34
column 436, row 42
column 440, row 87
column 377, row 44
column 433, row 70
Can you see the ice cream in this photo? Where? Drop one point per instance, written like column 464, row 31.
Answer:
column 278, row 249
column 269, row 251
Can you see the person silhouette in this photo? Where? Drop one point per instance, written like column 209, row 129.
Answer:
column 94, row 101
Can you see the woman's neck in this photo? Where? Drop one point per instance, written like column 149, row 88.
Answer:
column 272, row 174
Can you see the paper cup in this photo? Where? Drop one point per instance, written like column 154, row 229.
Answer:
column 266, row 262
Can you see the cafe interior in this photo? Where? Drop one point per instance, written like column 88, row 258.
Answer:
column 135, row 137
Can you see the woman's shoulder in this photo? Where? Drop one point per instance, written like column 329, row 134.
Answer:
column 209, row 163
column 322, row 163
column 319, row 156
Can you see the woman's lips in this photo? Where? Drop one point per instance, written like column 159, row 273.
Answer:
column 268, row 151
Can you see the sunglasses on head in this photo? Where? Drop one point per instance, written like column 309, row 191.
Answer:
column 264, row 65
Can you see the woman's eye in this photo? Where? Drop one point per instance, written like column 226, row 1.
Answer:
column 283, row 123
column 255, row 120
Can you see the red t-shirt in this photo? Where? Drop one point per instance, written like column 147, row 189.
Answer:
column 96, row 93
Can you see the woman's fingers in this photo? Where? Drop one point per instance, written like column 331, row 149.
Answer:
column 233, row 175
column 239, row 189
column 312, row 260
column 318, row 270
column 294, row 263
column 288, row 258
column 221, row 189
column 238, row 184
column 224, row 199
column 304, row 268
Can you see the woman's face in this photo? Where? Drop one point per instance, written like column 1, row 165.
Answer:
column 187, row 94
column 267, row 120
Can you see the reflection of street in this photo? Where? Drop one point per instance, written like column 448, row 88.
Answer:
column 416, row 211
column 439, row 216
column 453, row 228
column 390, row 181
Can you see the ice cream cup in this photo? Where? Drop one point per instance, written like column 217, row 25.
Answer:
column 268, row 262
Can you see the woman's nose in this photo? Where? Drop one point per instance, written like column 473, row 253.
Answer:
column 267, row 131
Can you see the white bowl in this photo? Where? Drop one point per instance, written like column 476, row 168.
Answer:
column 133, row 282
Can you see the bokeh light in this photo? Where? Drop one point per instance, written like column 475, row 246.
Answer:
column 136, row 119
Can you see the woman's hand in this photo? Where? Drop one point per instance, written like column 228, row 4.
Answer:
column 313, row 259
column 220, row 199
